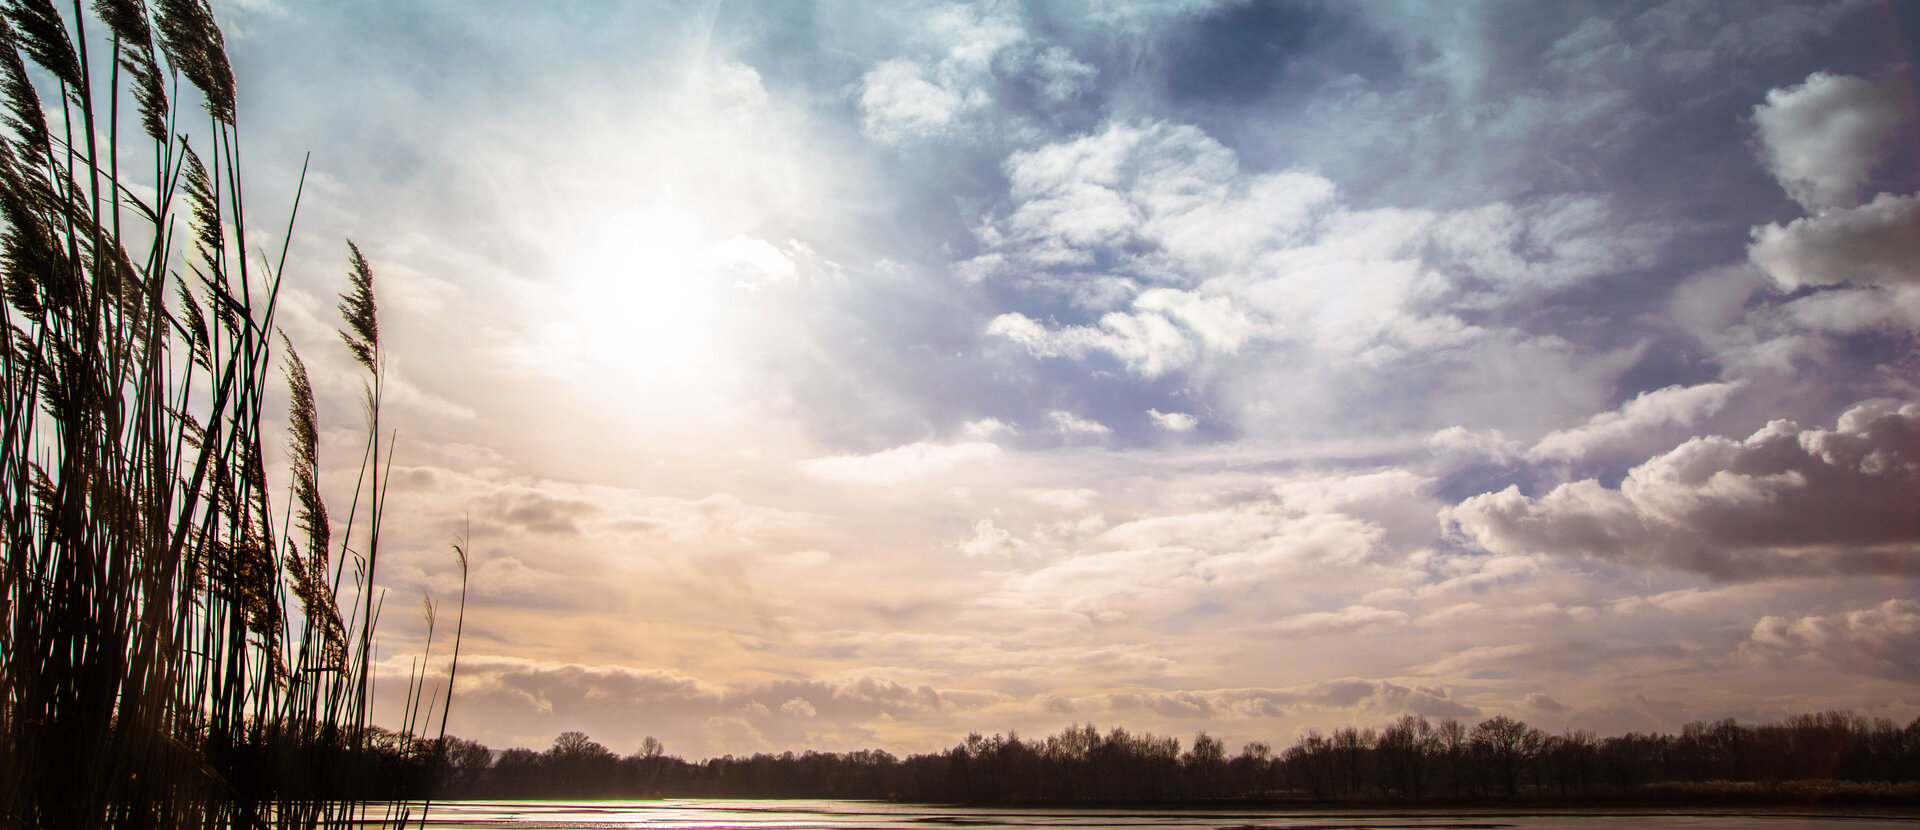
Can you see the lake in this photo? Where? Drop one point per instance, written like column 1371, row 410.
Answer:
column 868, row 815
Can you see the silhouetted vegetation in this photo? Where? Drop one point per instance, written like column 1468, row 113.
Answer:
column 1833, row 755
column 168, row 655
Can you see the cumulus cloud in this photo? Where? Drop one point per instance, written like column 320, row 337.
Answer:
column 900, row 102
column 990, row 541
column 1167, row 330
column 961, row 59
column 1785, row 500
column 1458, row 446
column 1822, row 138
column 1162, row 185
column 901, row 465
column 1881, row 641
column 1502, row 249
column 1877, row 243
column 929, row 94
column 1649, row 414
column 1172, row 259
column 1173, row 421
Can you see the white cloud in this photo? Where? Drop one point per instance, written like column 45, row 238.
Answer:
column 1637, row 422
column 1538, row 246
column 1169, row 330
column 1157, row 565
column 985, row 428
column 899, row 103
column 1785, row 500
column 1173, row 421
column 1169, row 185
column 753, row 260
column 1875, row 244
column 1457, row 446
column 1822, row 138
column 911, row 463
column 939, row 91
column 1076, row 499
column 1060, row 76
column 990, row 541
column 1184, row 263
column 1069, row 424
column 1857, row 309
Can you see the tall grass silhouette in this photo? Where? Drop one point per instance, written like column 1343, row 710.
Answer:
column 173, row 652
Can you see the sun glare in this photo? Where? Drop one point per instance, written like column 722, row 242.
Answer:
column 645, row 304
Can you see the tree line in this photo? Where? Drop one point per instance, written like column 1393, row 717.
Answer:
column 1410, row 759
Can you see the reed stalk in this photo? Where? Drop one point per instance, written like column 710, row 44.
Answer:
column 169, row 657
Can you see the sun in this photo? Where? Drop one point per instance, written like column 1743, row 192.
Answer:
column 645, row 305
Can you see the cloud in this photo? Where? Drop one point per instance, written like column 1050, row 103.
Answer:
column 752, row 260
column 536, row 511
column 899, row 102
column 1149, row 246
column 901, row 465
column 1173, row 421
column 1355, row 693
column 1166, row 187
column 618, row 704
column 1849, row 310
column 1069, row 424
column 989, row 541
column 1168, row 330
column 1383, row 697
column 1542, row 703
column 1783, row 501
column 1628, row 427
column 1157, row 566
column 1350, row 618
column 962, row 60
column 1822, row 138
column 1875, row 244
column 985, row 428
column 1075, row 499
column 1880, row 641
column 508, row 578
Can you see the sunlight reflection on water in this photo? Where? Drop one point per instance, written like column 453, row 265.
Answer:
column 866, row 815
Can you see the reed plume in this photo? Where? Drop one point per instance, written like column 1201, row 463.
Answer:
column 168, row 655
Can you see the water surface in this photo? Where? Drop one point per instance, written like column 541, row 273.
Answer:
column 869, row 815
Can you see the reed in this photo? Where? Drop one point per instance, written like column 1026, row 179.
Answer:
column 170, row 656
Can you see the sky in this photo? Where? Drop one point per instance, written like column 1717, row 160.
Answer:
column 836, row 375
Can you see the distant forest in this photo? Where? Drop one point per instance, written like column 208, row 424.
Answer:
column 1831, row 755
